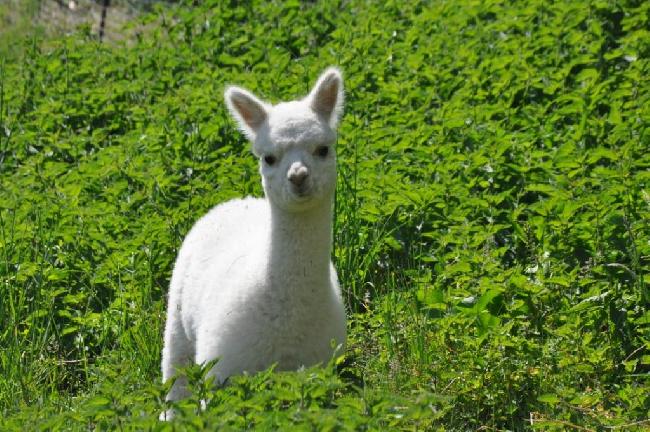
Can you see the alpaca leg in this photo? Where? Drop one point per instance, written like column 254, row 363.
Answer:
column 177, row 353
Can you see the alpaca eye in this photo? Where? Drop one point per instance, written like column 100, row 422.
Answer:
column 269, row 159
column 322, row 151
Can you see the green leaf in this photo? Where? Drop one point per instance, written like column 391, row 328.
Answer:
column 549, row 398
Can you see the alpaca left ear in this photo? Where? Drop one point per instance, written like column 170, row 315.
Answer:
column 326, row 98
column 250, row 112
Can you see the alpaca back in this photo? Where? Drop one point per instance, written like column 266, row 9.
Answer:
column 224, row 249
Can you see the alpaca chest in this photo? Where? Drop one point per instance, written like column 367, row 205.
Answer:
column 288, row 322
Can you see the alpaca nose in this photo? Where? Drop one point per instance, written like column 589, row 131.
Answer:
column 297, row 174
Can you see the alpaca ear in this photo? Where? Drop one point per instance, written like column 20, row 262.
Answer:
column 249, row 111
column 326, row 98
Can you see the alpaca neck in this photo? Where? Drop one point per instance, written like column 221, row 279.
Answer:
column 301, row 245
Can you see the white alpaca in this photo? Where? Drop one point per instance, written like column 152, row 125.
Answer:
column 253, row 283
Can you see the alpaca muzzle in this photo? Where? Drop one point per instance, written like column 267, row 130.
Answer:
column 297, row 175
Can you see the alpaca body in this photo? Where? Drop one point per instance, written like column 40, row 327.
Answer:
column 232, row 308
column 253, row 284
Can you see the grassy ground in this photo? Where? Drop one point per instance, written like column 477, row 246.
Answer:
column 491, row 227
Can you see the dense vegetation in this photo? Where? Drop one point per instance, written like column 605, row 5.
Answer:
column 492, row 217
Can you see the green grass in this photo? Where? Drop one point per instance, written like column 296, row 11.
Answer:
column 492, row 218
column 17, row 21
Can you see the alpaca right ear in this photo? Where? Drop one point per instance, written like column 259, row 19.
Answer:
column 326, row 98
column 249, row 111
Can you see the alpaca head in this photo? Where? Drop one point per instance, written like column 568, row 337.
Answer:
column 294, row 141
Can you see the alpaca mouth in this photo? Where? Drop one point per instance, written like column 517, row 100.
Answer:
column 301, row 193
